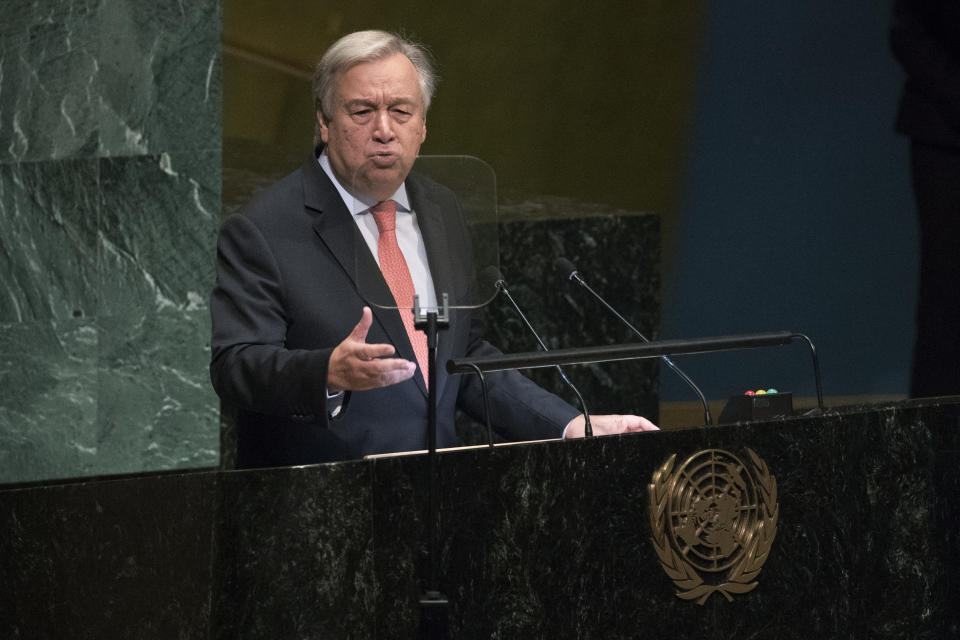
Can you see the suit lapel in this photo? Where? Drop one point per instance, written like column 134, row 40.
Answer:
column 433, row 228
column 336, row 228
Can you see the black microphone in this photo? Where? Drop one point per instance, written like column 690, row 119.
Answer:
column 570, row 272
column 501, row 284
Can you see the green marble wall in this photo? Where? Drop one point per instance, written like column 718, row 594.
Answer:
column 109, row 206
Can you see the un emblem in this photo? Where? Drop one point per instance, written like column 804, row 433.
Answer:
column 713, row 521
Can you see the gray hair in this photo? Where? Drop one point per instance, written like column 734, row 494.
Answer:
column 368, row 46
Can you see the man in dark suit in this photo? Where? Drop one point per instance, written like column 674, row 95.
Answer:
column 925, row 37
column 311, row 383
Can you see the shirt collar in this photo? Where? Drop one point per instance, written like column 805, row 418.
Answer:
column 356, row 205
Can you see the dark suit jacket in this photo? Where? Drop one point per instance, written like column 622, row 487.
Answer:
column 290, row 269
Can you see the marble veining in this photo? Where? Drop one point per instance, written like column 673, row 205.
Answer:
column 109, row 205
column 311, row 534
column 548, row 540
column 159, row 76
column 48, row 414
column 48, row 249
column 48, row 58
column 155, row 407
column 157, row 233
column 142, row 568
column 87, row 78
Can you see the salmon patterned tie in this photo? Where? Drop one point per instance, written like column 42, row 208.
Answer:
column 397, row 275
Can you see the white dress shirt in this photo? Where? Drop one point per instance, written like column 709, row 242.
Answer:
column 408, row 235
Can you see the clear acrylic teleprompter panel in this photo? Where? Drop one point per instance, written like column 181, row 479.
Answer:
column 455, row 205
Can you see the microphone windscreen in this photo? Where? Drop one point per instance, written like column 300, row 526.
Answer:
column 565, row 267
column 490, row 276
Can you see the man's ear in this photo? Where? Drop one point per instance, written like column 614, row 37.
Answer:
column 423, row 131
column 324, row 131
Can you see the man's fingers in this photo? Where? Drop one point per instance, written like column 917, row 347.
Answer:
column 357, row 366
column 637, row 423
column 373, row 351
column 404, row 370
column 359, row 332
column 386, row 371
column 647, row 425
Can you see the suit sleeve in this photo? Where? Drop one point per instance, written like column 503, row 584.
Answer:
column 520, row 409
column 250, row 366
column 929, row 63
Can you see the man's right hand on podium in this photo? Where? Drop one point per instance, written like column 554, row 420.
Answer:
column 608, row 425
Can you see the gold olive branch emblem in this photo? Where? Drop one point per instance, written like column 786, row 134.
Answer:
column 755, row 542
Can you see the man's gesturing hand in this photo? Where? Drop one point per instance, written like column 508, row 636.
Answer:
column 357, row 366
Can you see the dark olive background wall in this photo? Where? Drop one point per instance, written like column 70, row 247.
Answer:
column 560, row 99
column 760, row 133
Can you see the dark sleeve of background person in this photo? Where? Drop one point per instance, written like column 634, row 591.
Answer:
column 925, row 39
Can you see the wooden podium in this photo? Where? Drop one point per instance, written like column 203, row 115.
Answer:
column 545, row 540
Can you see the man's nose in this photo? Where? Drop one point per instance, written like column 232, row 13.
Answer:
column 383, row 127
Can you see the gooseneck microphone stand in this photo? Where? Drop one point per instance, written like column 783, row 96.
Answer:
column 433, row 604
column 501, row 284
column 567, row 267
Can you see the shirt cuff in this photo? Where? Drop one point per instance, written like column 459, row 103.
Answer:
column 334, row 403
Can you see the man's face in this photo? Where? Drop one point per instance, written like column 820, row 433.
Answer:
column 377, row 126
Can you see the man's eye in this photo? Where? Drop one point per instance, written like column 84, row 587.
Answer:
column 361, row 112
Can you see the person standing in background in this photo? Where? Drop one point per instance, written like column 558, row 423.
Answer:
column 925, row 39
